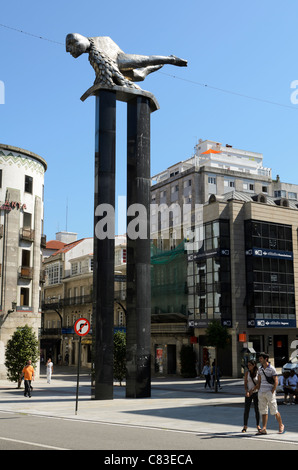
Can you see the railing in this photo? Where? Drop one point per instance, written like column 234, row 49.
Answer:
column 52, row 304
column 43, row 241
column 78, row 300
column 26, row 272
column 27, row 234
column 51, row 331
column 42, row 276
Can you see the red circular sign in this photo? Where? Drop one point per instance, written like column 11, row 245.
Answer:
column 82, row 327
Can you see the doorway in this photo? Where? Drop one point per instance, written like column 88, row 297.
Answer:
column 171, row 362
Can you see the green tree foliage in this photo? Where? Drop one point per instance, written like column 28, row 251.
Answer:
column 22, row 346
column 217, row 335
column 119, row 356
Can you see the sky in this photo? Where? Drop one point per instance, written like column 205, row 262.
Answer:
column 242, row 60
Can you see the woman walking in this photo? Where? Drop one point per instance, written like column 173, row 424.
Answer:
column 251, row 393
column 49, row 366
column 207, row 373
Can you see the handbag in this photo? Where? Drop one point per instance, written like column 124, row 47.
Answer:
column 270, row 380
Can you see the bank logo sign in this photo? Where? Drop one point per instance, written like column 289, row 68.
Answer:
column 264, row 253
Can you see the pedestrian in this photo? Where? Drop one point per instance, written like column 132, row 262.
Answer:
column 290, row 386
column 207, row 374
column 28, row 374
column 251, row 393
column 49, row 370
column 267, row 384
column 218, row 375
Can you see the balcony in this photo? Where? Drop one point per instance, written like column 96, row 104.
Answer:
column 51, row 332
column 43, row 241
column 27, row 234
column 78, row 300
column 52, row 304
column 42, row 276
column 26, row 272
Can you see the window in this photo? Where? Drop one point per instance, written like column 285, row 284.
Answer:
column 269, row 271
column 211, row 180
column 26, row 258
column 264, row 189
column 27, row 220
column 24, row 299
column 209, row 284
column 54, row 274
column 280, row 193
column 74, row 268
column 28, row 184
column 248, row 186
column 292, row 195
column 229, row 184
column 0, row 178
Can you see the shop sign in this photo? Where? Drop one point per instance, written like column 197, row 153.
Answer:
column 9, row 205
column 264, row 253
column 272, row 323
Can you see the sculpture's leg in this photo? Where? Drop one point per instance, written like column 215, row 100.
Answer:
column 103, row 256
column 138, row 303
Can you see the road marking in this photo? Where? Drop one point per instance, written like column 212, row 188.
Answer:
column 32, row 443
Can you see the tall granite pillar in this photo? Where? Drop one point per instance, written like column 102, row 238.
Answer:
column 138, row 302
column 104, row 245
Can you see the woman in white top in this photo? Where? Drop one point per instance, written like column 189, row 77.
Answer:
column 49, row 370
column 251, row 393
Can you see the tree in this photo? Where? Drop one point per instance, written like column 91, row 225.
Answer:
column 217, row 336
column 119, row 356
column 22, row 346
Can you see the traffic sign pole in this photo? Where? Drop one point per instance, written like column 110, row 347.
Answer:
column 78, row 377
column 81, row 328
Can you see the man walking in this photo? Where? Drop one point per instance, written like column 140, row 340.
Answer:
column 28, row 374
column 267, row 384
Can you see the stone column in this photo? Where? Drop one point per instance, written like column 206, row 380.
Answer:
column 138, row 318
column 103, row 256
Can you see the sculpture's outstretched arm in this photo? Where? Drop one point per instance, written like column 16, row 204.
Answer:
column 134, row 61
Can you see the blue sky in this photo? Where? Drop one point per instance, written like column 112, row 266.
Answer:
column 247, row 49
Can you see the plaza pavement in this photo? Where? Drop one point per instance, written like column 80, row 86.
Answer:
column 179, row 404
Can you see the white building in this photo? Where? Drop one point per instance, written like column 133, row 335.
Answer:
column 21, row 230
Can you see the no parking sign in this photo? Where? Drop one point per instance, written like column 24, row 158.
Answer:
column 82, row 327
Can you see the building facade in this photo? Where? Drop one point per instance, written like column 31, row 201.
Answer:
column 68, row 296
column 239, row 232
column 21, row 231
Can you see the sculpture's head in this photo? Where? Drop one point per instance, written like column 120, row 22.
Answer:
column 76, row 44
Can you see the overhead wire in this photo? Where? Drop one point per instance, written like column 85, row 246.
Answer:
column 193, row 82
